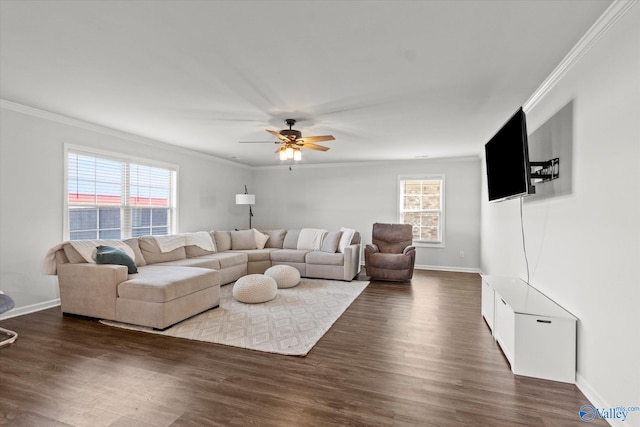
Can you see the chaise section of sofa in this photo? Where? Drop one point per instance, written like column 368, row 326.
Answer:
column 157, row 296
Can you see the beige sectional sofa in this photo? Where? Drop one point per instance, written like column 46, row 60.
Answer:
column 177, row 280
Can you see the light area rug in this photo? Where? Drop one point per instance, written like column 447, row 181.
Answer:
column 291, row 323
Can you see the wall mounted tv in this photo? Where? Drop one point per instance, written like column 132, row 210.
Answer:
column 507, row 159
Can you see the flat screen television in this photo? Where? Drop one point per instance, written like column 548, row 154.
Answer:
column 507, row 159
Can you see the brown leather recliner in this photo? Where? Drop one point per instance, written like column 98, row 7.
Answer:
column 391, row 256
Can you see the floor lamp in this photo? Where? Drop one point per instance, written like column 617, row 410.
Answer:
column 246, row 199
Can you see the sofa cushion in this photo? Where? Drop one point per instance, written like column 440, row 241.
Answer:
column 310, row 239
column 201, row 262
column 229, row 259
column 61, row 258
column 152, row 253
column 194, row 251
column 356, row 239
column 111, row 255
column 330, row 241
column 72, row 255
column 324, row 258
column 291, row 239
column 223, row 240
column 276, row 238
column 243, row 240
column 170, row 242
column 163, row 283
column 288, row 255
column 257, row 254
column 135, row 245
column 201, row 239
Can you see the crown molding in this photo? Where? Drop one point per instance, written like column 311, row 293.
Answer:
column 104, row 130
column 462, row 158
column 608, row 19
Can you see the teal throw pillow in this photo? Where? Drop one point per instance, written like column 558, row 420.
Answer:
column 111, row 255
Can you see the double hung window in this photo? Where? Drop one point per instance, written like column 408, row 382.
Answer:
column 422, row 205
column 117, row 198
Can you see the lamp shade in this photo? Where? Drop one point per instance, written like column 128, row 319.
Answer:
column 245, row 199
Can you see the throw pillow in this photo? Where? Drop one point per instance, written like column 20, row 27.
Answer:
column 110, row 255
column 243, row 240
column 261, row 239
column 291, row 239
column 330, row 241
column 276, row 238
column 345, row 239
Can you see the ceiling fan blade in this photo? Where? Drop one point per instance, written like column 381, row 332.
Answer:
column 277, row 135
column 307, row 139
column 314, row 146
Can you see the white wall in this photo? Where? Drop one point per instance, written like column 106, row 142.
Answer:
column 357, row 195
column 584, row 248
column 32, row 193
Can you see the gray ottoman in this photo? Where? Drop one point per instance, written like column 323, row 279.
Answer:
column 255, row 288
column 284, row 275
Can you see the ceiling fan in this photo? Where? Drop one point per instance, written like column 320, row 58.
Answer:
column 291, row 141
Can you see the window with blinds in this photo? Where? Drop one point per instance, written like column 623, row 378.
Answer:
column 111, row 198
column 422, row 206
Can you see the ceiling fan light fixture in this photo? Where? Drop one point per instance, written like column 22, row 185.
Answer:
column 297, row 155
column 283, row 153
column 289, row 152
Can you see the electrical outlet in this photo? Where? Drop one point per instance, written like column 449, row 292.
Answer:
column 461, row 254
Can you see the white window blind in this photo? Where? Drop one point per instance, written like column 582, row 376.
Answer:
column 111, row 198
column 422, row 206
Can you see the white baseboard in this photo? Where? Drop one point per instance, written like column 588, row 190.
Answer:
column 443, row 268
column 448, row 268
column 594, row 398
column 21, row 311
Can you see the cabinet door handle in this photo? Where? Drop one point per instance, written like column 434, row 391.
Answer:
column 543, row 321
column 503, row 301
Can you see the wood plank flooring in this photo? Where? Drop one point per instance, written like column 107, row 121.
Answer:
column 414, row 354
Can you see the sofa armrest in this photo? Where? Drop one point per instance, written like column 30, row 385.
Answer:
column 351, row 261
column 370, row 247
column 90, row 289
column 409, row 249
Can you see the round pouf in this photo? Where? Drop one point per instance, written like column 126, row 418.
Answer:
column 284, row 275
column 255, row 288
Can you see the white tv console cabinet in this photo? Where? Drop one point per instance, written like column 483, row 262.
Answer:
column 537, row 336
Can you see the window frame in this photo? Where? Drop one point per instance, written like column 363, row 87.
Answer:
column 442, row 211
column 126, row 220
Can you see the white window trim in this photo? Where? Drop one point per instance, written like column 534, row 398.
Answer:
column 423, row 244
column 115, row 156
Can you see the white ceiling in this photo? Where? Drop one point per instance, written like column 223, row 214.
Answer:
column 389, row 79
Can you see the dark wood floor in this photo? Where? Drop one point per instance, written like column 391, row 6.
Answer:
column 402, row 354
